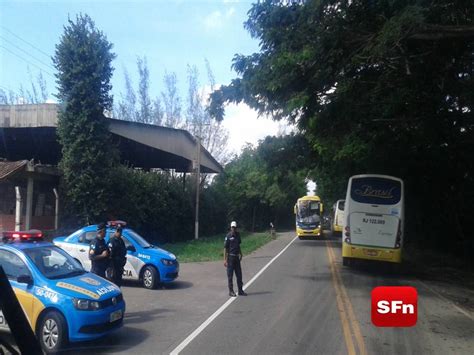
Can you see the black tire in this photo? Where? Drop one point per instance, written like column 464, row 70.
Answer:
column 150, row 277
column 346, row 261
column 52, row 332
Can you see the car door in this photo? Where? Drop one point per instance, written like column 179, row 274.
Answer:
column 81, row 248
column 134, row 264
column 14, row 266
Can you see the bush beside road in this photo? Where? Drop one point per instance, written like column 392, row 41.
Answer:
column 210, row 248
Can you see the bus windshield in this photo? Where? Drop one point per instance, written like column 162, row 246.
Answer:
column 308, row 212
column 340, row 205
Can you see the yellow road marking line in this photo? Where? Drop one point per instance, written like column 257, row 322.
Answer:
column 355, row 324
column 340, row 306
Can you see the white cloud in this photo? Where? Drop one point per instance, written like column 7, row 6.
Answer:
column 245, row 126
column 217, row 19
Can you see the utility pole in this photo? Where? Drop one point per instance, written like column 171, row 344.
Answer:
column 198, row 183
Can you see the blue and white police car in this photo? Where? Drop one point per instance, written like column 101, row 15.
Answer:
column 145, row 262
column 63, row 302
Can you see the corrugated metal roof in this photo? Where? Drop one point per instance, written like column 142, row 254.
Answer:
column 9, row 167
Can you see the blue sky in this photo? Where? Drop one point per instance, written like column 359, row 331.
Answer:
column 171, row 34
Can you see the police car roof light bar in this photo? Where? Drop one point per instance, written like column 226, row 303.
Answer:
column 31, row 235
column 116, row 223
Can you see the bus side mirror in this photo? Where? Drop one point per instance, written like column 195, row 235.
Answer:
column 294, row 209
column 322, row 208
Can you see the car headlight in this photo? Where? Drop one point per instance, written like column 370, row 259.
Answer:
column 85, row 305
column 168, row 262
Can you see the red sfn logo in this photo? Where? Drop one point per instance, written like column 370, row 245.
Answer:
column 394, row 306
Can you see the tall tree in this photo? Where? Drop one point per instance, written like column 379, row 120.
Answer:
column 377, row 86
column 83, row 60
column 199, row 122
column 171, row 102
column 138, row 107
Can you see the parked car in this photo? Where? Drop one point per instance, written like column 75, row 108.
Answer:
column 62, row 301
column 145, row 262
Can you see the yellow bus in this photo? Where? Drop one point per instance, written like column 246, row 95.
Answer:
column 308, row 211
column 373, row 219
column 338, row 217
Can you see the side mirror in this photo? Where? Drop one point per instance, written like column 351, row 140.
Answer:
column 322, row 210
column 131, row 248
column 25, row 279
column 294, row 209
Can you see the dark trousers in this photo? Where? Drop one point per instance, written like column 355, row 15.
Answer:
column 233, row 265
column 99, row 269
column 117, row 274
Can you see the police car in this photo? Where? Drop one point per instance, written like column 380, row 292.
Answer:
column 145, row 262
column 61, row 300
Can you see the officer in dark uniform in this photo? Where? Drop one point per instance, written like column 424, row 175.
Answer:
column 232, row 257
column 99, row 252
column 118, row 255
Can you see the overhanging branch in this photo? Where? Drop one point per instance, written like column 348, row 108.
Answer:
column 436, row 33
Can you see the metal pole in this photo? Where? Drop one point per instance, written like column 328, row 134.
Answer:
column 29, row 203
column 198, row 182
column 56, row 209
column 18, row 209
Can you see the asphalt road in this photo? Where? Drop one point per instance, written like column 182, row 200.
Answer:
column 304, row 302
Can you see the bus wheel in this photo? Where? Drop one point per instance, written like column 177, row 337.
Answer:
column 346, row 261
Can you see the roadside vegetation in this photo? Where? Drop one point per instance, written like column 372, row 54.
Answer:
column 211, row 248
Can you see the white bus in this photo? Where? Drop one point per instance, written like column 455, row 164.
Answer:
column 338, row 218
column 373, row 219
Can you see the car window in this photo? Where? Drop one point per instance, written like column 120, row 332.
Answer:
column 13, row 265
column 54, row 263
column 87, row 237
column 126, row 241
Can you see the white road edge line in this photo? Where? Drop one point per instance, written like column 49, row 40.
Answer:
column 209, row 320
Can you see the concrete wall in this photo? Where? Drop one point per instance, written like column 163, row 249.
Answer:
column 19, row 116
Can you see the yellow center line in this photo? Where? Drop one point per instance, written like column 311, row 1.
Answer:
column 355, row 324
column 340, row 306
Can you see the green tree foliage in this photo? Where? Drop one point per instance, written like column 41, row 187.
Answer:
column 377, row 87
column 83, row 60
column 262, row 184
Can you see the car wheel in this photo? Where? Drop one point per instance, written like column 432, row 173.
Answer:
column 52, row 332
column 346, row 261
column 150, row 277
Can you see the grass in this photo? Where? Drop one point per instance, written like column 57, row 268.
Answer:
column 211, row 248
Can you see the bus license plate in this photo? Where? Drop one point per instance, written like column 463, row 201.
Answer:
column 115, row 315
column 371, row 252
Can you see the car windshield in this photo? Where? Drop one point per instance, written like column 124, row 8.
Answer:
column 54, row 263
column 138, row 238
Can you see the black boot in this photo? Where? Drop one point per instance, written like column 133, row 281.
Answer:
column 232, row 293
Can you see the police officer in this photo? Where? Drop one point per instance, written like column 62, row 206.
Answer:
column 118, row 255
column 232, row 257
column 99, row 252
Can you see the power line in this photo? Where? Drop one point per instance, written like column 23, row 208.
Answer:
column 32, row 56
column 21, row 39
column 15, row 54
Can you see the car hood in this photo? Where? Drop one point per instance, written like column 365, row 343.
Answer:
column 59, row 239
column 157, row 252
column 87, row 285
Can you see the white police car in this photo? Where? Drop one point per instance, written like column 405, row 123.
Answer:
column 145, row 262
column 61, row 300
